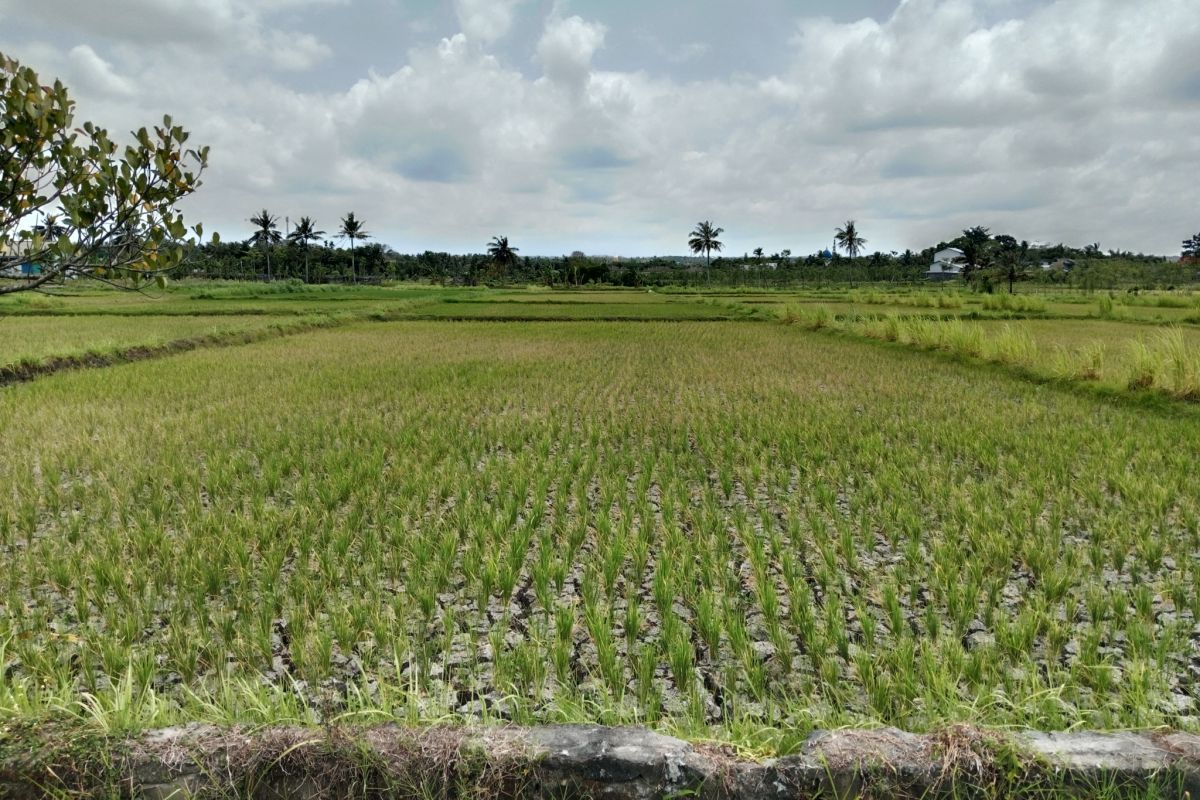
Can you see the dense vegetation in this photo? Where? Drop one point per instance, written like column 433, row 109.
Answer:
column 375, row 262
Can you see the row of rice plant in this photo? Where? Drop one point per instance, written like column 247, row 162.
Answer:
column 1165, row 360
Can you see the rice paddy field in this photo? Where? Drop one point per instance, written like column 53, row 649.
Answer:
column 35, row 338
column 729, row 528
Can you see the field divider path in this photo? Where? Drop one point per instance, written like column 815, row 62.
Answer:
column 24, row 371
column 568, row 761
column 425, row 317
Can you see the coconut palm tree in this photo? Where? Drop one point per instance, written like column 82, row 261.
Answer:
column 704, row 240
column 502, row 254
column 352, row 229
column 304, row 233
column 849, row 240
column 266, row 234
column 49, row 228
column 51, row 231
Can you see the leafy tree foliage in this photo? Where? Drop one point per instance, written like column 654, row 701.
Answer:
column 978, row 235
column 72, row 202
column 1191, row 247
column 1012, row 259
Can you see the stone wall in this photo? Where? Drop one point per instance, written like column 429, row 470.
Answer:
column 590, row 761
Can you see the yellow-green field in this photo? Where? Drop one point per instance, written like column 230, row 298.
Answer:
column 34, row 338
column 732, row 529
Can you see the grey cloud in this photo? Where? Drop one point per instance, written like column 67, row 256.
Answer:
column 439, row 162
column 150, row 22
column 598, row 157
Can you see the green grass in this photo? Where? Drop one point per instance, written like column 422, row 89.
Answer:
column 727, row 531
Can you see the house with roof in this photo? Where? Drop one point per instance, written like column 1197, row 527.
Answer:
column 947, row 263
column 13, row 263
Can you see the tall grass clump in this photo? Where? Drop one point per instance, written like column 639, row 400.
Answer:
column 1091, row 367
column 964, row 338
column 1106, row 308
column 1013, row 302
column 1180, row 365
column 1145, row 365
column 940, row 299
column 1168, row 363
column 812, row 317
column 1014, row 347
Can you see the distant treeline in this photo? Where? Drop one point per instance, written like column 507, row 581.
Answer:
column 1069, row 267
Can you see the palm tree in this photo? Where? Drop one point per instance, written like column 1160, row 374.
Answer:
column 266, row 235
column 502, row 254
column 51, row 231
column 704, row 240
column 353, row 230
column 849, row 240
column 49, row 228
column 305, row 232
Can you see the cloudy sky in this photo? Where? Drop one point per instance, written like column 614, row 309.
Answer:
column 613, row 126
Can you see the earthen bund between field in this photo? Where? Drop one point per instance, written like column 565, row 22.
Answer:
column 590, row 761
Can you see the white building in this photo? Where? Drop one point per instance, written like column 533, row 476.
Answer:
column 946, row 264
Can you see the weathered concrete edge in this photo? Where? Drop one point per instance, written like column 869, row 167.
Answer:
column 596, row 761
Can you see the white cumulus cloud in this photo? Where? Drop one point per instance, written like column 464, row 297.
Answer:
column 566, row 49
